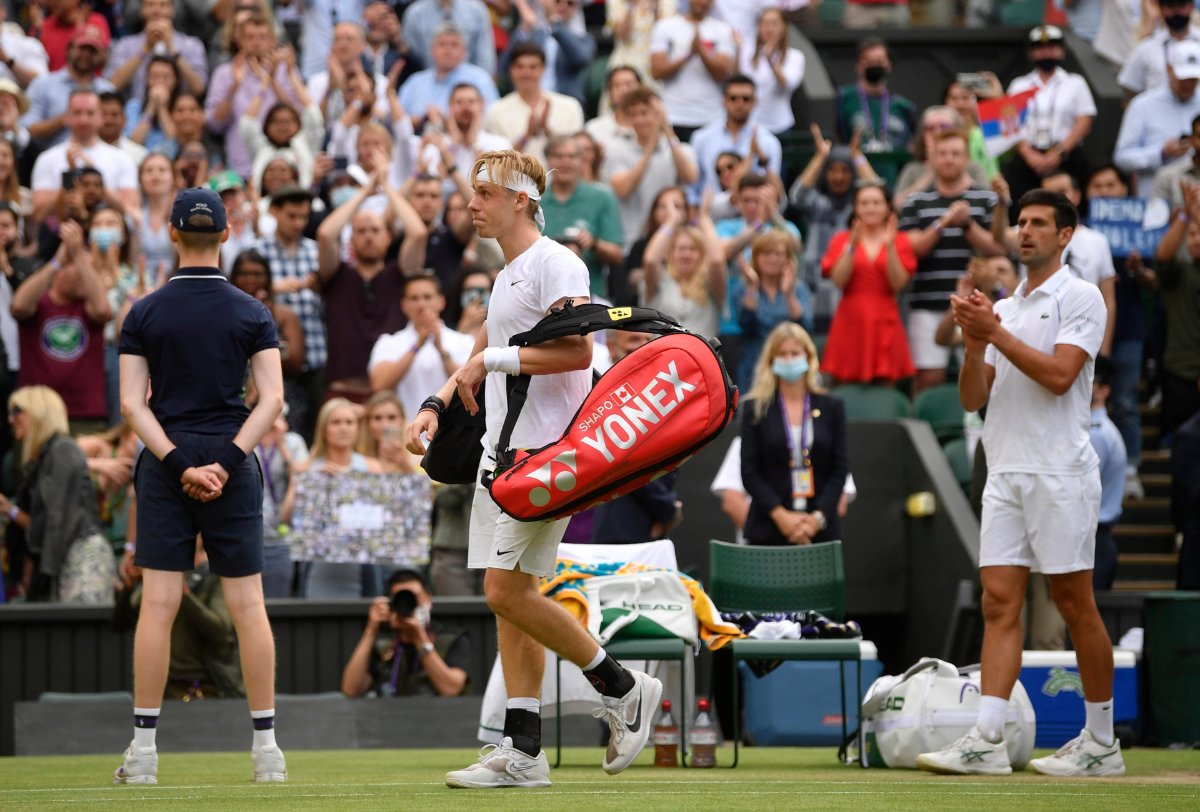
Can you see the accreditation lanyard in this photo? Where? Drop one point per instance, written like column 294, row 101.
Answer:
column 880, row 140
column 803, row 486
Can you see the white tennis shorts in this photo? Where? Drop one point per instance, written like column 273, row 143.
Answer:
column 498, row 541
column 1045, row 522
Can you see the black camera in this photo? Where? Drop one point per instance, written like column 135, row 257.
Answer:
column 404, row 603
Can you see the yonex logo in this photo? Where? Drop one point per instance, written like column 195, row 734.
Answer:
column 564, row 481
column 636, row 416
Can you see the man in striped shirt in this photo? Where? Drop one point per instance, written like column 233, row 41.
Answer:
column 947, row 225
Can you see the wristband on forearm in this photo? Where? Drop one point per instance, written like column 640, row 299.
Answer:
column 502, row 359
column 433, row 404
column 231, row 458
column 175, row 463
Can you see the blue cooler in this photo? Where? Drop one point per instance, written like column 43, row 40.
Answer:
column 797, row 703
column 1051, row 678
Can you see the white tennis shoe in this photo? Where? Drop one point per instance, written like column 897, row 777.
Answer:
column 269, row 764
column 502, row 765
column 630, row 720
column 970, row 755
column 1082, row 755
column 140, row 766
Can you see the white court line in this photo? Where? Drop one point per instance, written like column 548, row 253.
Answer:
column 923, row 781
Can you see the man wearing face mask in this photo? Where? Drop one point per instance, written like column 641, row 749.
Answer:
column 1146, row 67
column 887, row 119
column 1057, row 120
column 1157, row 124
column 403, row 651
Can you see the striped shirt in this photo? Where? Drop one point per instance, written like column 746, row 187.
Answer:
column 938, row 272
column 299, row 264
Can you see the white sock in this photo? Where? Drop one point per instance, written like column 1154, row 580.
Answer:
column 144, row 730
column 1100, row 721
column 263, row 736
column 992, row 710
column 529, row 703
column 599, row 658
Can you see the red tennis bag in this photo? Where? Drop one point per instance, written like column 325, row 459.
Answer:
column 646, row 416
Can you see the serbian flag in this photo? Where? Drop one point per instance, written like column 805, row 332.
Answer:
column 1003, row 119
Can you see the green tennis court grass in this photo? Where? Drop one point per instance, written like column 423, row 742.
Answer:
column 767, row 779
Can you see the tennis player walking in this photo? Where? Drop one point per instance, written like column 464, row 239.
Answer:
column 539, row 274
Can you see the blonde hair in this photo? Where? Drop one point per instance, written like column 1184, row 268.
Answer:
column 695, row 288
column 775, row 238
column 45, row 414
column 505, row 165
column 765, row 384
column 320, row 448
column 366, row 440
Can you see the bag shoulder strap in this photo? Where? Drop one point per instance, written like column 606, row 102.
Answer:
column 572, row 320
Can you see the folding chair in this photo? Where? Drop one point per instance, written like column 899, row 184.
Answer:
column 665, row 649
column 783, row 579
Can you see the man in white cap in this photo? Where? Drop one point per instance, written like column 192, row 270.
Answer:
column 1157, row 126
column 1057, row 120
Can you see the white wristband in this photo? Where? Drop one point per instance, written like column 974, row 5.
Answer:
column 502, row 359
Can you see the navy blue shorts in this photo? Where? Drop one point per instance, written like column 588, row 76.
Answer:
column 168, row 520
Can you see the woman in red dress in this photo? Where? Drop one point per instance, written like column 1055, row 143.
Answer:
column 871, row 263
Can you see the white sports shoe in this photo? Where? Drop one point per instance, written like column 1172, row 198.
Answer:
column 269, row 765
column 1082, row 755
column 630, row 720
column 502, row 765
column 139, row 767
column 970, row 755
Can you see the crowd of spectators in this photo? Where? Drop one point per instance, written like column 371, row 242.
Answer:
column 340, row 134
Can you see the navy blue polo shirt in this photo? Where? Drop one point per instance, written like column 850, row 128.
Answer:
column 197, row 333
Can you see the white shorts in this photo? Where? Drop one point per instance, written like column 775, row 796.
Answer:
column 922, row 327
column 496, row 540
column 1045, row 522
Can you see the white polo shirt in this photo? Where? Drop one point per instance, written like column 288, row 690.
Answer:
column 692, row 97
column 1053, row 110
column 1029, row 429
column 427, row 372
column 1089, row 256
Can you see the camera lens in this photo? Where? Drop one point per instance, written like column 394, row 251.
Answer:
column 404, row 602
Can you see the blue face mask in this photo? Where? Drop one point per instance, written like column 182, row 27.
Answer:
column 790, row 369
column 104, row 238
column 341, row 194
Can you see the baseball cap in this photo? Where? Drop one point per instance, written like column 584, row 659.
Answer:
column 225, row 180
column 1045, row 34
column 90, row 35
column 194, row 201
column 10, row 87
column 1184, row 59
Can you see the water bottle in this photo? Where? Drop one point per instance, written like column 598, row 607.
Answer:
column 666, row 738
column 702, row 738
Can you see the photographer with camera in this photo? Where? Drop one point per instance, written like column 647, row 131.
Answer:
column 403, row 652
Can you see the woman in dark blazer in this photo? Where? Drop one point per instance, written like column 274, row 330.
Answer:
column 794, row 450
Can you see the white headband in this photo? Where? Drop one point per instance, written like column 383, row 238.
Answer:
column 520, row 182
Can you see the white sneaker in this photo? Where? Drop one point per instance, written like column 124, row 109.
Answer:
column 1133, row 487
column 970, row 755
column 502, row 765
column 269, row 765
column 1082, row 755
column 139, row 767
column 630, row 720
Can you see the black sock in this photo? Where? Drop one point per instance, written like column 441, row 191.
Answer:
column 610, row 678
column 524, row 727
